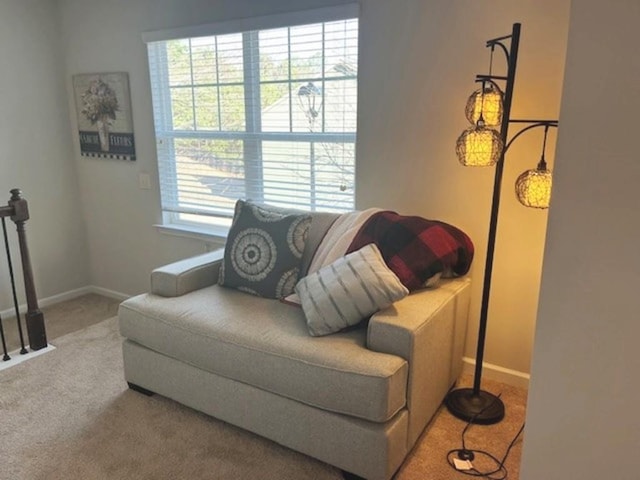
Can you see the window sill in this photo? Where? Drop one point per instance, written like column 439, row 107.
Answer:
column 214, row 236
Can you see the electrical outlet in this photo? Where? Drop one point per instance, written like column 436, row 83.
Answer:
column 144, row 181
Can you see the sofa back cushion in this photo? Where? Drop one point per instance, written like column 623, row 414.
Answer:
column 338, row 237
column 321, row 222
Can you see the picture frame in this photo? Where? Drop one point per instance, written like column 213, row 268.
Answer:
column 103, row 109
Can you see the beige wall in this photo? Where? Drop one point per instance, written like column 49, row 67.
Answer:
column 418, row 63
column 35, row 150
column 417, row 66
column 581, row 421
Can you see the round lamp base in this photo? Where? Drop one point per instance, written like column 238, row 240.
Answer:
column 483, row 407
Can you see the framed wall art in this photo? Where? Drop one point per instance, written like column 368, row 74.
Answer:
column 103, row 107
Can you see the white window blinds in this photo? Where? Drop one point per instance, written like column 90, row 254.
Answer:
column 266, row 114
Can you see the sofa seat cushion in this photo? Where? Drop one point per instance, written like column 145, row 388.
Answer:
column 264, row 343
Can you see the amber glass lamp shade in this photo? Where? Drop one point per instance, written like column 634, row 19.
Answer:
column 479, row 146
column 533, row 187
column 486, row 101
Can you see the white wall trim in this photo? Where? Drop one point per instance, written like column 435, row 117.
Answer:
column 495, row 372
column 45, row 302
column 108, row 293
column 64, row 296
column 316, row 15
column 61, row 297
column 213, row 241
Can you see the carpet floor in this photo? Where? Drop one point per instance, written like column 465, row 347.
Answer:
column 68, row 414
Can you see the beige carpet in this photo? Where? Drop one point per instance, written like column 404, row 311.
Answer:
column 64, row 317
column 69, row 415
column 428, row 460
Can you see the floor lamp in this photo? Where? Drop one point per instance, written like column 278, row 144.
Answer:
column 483, row 145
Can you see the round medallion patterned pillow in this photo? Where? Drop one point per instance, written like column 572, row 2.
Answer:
column 263, row 251
column 253, row 254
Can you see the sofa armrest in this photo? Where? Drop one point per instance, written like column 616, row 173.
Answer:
column 187, row 275
column 427, row 329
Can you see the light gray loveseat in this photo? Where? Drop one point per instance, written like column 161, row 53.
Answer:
column 358, row 399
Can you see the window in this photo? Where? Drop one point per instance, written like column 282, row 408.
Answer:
column 266, row 114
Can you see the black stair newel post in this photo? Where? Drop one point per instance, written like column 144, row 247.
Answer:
column 34, row 317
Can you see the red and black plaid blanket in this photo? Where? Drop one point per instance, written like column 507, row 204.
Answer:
column 414, row 248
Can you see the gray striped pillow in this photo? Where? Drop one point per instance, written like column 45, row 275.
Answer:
column 347, row 291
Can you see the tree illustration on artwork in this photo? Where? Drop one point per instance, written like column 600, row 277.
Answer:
column 99, row 105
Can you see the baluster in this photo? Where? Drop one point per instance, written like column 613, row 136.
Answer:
column 5, row 354
column 13, row 287
column 34, row 317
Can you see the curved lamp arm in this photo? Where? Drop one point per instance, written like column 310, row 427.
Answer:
column 534, row 124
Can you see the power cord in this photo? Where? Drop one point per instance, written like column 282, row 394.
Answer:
column 467, row 455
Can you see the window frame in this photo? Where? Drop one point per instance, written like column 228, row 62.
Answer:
column 252, row 137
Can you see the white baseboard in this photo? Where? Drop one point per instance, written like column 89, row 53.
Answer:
column 61, row 297
column 105, row 292
column 495, row 372
column 69, row 295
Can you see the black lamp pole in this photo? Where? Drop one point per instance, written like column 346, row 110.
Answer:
column 473, row 404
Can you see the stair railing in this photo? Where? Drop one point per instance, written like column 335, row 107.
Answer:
column 17, row 210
